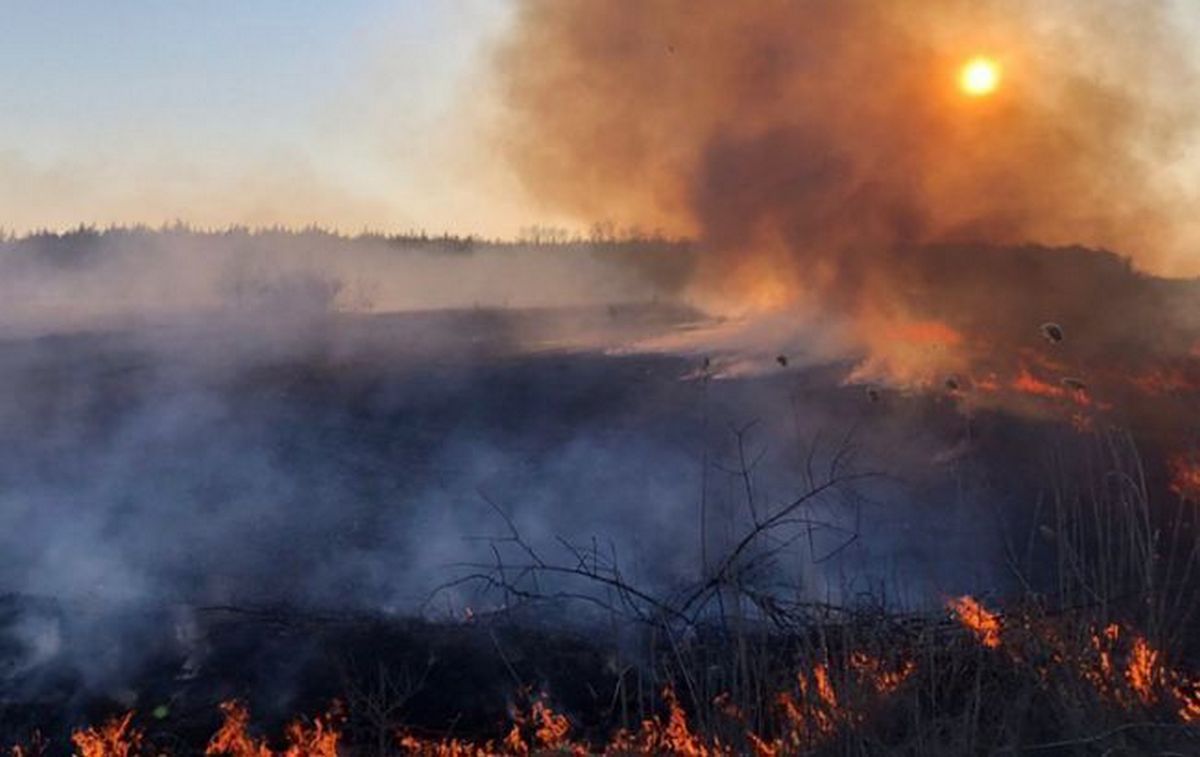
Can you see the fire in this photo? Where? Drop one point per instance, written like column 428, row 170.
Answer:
column 980, row 76
column 1027, row 383
column 677, row 737
column 552, row 728
column 811, row 713
column 984, row 624
column 1187, row 693
column 1185, row 477
column 546, row 728
column 1124, row 668
column 872, row 671
column 925, row 333
column 540, row 730
column 449, row 747
column 116, row 738
column 233, row 737
column 1143, row 672
column 318, row 739
column 673, row 737
column 1144, row 679
column 907, row 353
column 1167, row 380
column 1121, row 665
column 757, row 284
column 814, row 714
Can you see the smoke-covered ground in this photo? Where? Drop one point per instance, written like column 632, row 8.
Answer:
column 885, row 359
column 215, row 438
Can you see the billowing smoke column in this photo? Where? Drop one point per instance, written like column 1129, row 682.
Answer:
column 827, row 155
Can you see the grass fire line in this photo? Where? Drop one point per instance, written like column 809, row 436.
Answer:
column 1120, row 668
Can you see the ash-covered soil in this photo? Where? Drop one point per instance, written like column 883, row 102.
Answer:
column 193, row 512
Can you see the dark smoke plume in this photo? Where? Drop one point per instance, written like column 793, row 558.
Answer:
column 824, row 153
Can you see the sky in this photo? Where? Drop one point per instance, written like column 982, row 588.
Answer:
column 352, row 114
column 217, row 112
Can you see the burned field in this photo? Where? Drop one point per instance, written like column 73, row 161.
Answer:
column 496, row 530
column 780, row 378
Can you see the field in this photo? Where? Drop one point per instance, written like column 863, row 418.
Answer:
column 416, row 531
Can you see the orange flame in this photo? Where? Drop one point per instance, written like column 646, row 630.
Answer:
column 320, row 739
column 814, row 715
column 233, row 737
column 674, row 737
column 924, row 332
column 1027, row 383
column 974, row 616
column 116, row 738
column 1143, row 673
column 1145, row 679
column 1187, row 694
column 547, row 731
column 1185, row 477
column 1164, row 381
column 1123, row 666
column 872, row 671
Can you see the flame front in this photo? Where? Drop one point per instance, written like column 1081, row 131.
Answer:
column 1121, row 666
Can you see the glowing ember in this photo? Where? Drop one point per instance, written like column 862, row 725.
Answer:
column 1185, row 477
column 872, row 671
column 985, row 625
column 1187, row 694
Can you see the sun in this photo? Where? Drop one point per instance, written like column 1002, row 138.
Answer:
column 979, row 77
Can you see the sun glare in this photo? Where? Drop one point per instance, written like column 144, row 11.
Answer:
column 979, row 77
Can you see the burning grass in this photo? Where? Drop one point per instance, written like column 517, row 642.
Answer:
column 116, row 738
column 984, row 624
column 1099, row 650
column 932, row 687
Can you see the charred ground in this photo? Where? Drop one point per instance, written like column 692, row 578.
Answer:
column 208, row 505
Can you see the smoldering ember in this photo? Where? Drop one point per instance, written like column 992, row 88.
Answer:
column 782, row 378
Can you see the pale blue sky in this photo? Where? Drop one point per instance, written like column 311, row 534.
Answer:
column 147, row 110
column 346, row 113
column 137, row 68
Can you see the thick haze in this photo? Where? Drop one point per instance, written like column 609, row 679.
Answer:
column 259, row 417
column 809, row 140
column 350, row 115
column 369, row 113
column 824, row 156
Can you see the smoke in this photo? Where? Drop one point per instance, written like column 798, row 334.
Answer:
column 259, row 419
column 267, row 417
column 247, row 419
column 89, row 280
column 826, row 157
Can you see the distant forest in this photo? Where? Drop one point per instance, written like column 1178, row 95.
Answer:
column 660, row 261
column 599, row 235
